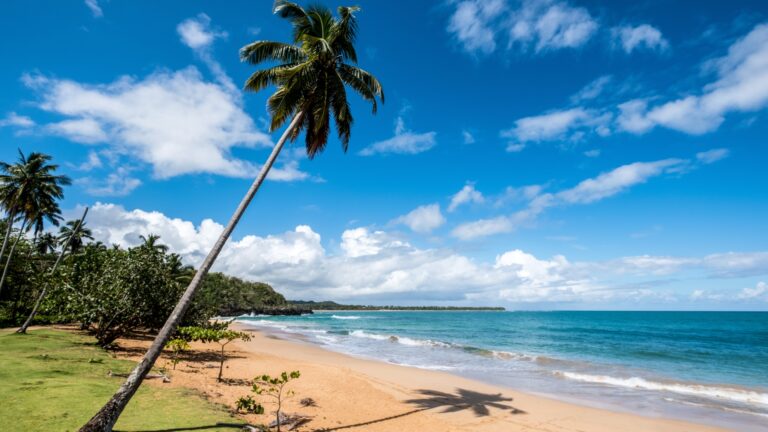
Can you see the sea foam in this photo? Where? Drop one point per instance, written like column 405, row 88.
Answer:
column 726, row 393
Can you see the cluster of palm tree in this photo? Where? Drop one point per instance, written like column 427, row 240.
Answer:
column 30, row 191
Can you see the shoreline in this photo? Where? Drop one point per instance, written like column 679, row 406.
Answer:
column 436, row 400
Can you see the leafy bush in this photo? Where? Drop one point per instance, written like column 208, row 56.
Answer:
column 248, row 405
column 216, row 332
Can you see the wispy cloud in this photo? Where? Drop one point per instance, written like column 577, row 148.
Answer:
column 467, row 194
column 94, row 7
column 588, row 191
column 404, row 142
column 15, row 120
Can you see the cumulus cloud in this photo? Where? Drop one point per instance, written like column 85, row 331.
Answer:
column 175, row 121
column 94, row 7
column 587, row 191
column 643, row 36
column 404, row 142
column 423, row 219
column 372, row 264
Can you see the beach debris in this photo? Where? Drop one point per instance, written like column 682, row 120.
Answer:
column 308, row 402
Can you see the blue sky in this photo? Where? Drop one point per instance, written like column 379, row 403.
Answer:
column 533, row 154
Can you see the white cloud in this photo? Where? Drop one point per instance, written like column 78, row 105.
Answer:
column 711, row 156
column 741, row 86
column 15, row 120
column 592, row 90
column 592, row 153
column 638, row 37
column 83, row 130
column 483, row 228
column 556, row 125
column 515, row 194
column 472, row 23
column 93, row 5
column 375, row 265
column 468, row 137
column 515, row 148
column 467, row 194
column 175, row 121
column 550, row 25
column 587, row 191
column 94, row 161
column 759, row 291
column 404, row 142
column 616, row 181
column 196, row 32
column 117, row 183
column 423, row 219
column 542, row 24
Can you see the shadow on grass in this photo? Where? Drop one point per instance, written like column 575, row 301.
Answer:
column 190, row 428
column 462, row 400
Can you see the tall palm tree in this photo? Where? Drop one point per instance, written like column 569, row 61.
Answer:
column 29, row 188
column 150, row 241
column 310, row 80
column 46, row 243
column 75, row 233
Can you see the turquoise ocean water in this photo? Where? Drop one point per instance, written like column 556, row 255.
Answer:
column 708, row 367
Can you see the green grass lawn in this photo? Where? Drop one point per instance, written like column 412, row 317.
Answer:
column 53, row 380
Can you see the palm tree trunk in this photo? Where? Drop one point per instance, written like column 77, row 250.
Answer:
column 25, row 326
column 10, row 254
column 11, row 215
column 105, row 419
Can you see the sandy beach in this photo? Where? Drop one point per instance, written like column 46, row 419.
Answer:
column 358, row 394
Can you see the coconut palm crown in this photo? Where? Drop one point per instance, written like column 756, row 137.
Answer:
column 311, row 73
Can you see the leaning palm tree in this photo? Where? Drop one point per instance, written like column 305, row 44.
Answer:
column 75, row 233
column 310, row 79
column 29, row 188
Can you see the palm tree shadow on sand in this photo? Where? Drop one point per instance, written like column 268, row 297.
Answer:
column 462, row 400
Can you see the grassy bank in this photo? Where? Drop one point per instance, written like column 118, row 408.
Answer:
column 54, row 380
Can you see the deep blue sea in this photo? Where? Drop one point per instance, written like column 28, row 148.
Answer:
column 708, row 367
